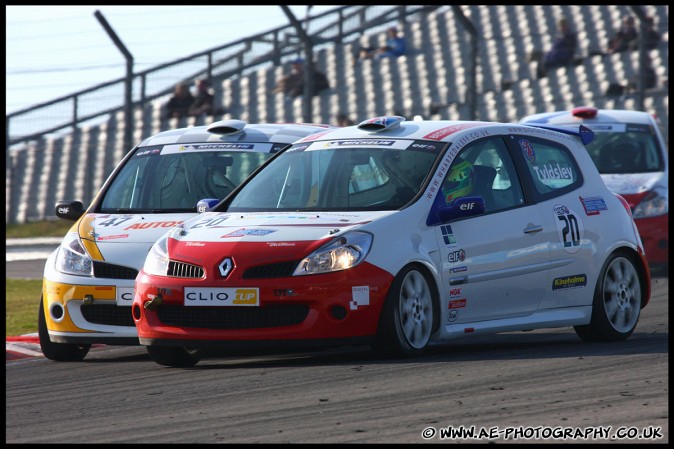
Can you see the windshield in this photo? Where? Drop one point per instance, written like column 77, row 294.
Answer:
column 339, row 176
column 173, row 178
column 625, row 148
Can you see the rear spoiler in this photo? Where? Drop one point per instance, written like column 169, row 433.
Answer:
column 585, row 134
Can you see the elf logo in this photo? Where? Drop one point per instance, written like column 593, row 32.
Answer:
column 456, row 256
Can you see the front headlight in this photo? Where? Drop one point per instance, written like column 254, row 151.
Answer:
column 157, row 261
column 342, row 253
column 72, row 258
column 652, row 205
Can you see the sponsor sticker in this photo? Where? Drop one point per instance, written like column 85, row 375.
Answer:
column 153, row 225
column 111, row 237
column 124, row 296
column 567, row 282
column 263, row 147
column 441, row 133
column 206, row 296
column 528, row 151
column 360, row 296
column 457, row 304
column 243, row 231
column 448, row 235
column 456, row 256
column 593, row 205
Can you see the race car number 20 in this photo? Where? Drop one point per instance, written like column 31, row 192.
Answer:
column 204, row 296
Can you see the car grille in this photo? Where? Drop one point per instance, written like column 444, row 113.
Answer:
column 109, row 314
column 112, row 271
column 232, row 317
column 281, row 269
column 185, row 270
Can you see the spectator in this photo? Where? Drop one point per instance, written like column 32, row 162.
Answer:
column 650, row 81
column 651, row 35
column 625, row 38
column 395, row 46
column 180, row 102
column 292, row 84
column 344, row 120
column 562, row 51
column 203, row 101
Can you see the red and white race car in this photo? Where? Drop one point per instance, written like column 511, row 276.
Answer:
column 88, row 281
column 630, row 153
column 400, row 234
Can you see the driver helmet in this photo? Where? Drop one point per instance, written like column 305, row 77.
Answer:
column 459, row 182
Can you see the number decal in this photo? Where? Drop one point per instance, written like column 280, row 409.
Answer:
column 115, row 221
column 209, row 222
column 569, row 228
column 570, row 225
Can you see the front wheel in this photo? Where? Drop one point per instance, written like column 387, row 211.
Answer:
column 60, row 352
column 408, row 315
column 617, row 302
column 176, row 356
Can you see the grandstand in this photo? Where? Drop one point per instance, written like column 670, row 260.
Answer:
column 430, row 80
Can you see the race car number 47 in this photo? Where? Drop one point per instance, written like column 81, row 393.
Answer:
column 201, row 296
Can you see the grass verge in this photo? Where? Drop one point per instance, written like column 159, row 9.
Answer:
column 47, row 228
column 21, row 305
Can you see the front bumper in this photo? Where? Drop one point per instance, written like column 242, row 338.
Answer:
column 81, row 313
column 340, row 306
column 654, row 232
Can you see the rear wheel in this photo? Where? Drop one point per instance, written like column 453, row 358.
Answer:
column 617, row 302
column 409, row 314
column 176, row 356
column 60, row 352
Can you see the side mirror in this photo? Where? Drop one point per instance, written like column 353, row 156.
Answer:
column 206, row 204
column 467, row 206
column 69, row 210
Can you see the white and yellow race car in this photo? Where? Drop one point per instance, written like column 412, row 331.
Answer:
column 166, row 179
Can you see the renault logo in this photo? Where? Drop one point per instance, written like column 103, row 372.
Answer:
column 225, row 267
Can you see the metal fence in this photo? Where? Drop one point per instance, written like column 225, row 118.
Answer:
column 68, row 155
column 234, row 59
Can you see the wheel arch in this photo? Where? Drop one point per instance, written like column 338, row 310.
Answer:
column 643, row 270
column 434, row 277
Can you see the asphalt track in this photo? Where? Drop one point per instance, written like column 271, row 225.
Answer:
column 544, row 383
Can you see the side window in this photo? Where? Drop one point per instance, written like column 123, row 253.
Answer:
column 484, row 168
column 552, row 167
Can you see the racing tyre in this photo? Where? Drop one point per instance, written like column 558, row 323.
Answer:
column 409, row 316
column 617, row 302
column 176, row 356
column 60, row 352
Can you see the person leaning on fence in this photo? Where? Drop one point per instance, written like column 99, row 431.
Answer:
column 626, row 38
column 395, row 46
column 292, row 84
column 203, row 101
column 180, row 102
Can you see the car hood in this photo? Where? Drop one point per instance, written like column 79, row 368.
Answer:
column 258, row 238
column 125, row 239
column 634, row 183
column 273, row 226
